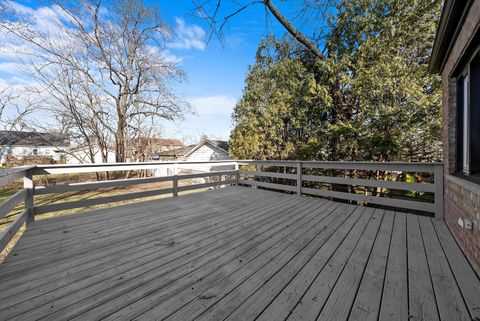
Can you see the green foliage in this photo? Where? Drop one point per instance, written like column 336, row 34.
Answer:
column 281, row 107
column 370, row 99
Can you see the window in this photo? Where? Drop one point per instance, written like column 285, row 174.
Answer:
column 468, row 118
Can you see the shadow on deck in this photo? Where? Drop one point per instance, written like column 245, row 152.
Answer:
column 238, row 254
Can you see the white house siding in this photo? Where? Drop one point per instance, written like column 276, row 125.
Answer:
column 19, row 151
column 82, row 156
column 204, row 153
column 207, row 153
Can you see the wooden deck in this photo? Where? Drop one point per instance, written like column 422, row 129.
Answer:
column 238, row 254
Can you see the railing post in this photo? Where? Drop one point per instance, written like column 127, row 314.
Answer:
column 29, row 204
column 438, row 181
column 237, row 174
column 175, row 179
column 299, row 178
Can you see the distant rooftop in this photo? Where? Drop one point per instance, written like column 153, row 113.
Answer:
column 21, row 138
column 163, row 141
column 188, row 149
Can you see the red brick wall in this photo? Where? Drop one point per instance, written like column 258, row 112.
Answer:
column 462, row 198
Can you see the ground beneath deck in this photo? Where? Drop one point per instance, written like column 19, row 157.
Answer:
column 238, row 254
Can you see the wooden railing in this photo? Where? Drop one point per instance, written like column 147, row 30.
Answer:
column 174, row 167
column 24, row 195
column 297, row 177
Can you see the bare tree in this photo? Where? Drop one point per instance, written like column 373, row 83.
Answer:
column 16, row 106
column 312, row 10
column 103, row 65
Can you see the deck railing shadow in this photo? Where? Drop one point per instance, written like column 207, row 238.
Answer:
column 297, row 177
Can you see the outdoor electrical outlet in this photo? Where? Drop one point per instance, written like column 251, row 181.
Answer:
column 465, row 223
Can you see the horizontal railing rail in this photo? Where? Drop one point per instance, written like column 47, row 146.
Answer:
column 22, row 196
column 297, row 177
column 118, row 167
column 127, row 196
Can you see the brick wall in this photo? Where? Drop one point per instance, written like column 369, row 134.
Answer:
column 462, row 198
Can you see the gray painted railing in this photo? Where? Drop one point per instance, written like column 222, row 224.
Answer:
column 235, row 175
column 436, row 188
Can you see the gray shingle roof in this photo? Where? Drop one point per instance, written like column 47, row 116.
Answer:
column 18, row 138
column 177, row 151
column 185, row 150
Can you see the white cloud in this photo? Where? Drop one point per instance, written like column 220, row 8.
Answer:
column 188, row 36
column 13, row 68
column 213, row 105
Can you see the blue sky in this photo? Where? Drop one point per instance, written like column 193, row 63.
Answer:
column 215, row 71
column 216, row 74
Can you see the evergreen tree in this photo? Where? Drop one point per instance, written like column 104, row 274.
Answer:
column 370, row 99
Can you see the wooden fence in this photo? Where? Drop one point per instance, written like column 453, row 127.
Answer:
column 227, row 173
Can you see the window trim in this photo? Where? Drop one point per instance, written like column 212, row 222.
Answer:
column 465, row 154
column 466, row 124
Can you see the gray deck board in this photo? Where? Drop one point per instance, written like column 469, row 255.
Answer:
column 467, row 280
column 394, row 304
column 422, row 301
column 238, row 254
column 368, row 298
column 451, row 305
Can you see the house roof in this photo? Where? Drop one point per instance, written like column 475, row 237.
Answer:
column 187, row 150
column 163, row 141
column 169, row 142
column 453, row 16
column 177, row 151
column 20, row 138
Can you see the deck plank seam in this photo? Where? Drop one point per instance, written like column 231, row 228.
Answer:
column 226, row 276
column 429, row 271
column 280, row 267
column 346, row 262
column 163, row 220
column 268, row 262
column 326, row 262
column 294, row 276
column 386, row 266
column 91, row 217
column 211, row 250
column 151, row 232
column 241, row 222
column 453, row 273
column 366, row 262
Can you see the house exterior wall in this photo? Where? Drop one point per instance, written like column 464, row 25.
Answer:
column 462, row 198
column 53, row 152
column 203, row 154
column 208, row 153
column 81, row 156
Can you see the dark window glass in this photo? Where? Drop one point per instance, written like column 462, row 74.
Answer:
column 474, row 115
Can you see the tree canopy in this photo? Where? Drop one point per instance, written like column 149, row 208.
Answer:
column 369, row 98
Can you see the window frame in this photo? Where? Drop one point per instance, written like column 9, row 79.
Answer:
column 463, row 123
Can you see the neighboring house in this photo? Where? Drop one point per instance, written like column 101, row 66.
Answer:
column 206, row 150
column 81, row 155
column 145, row 147
column 22, row 145
column 456, row 58
column 165, row 144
